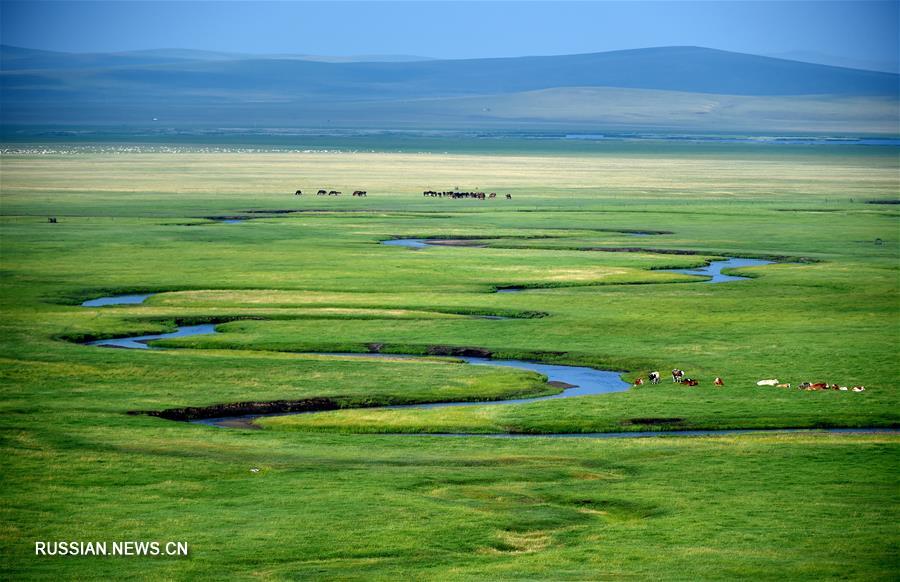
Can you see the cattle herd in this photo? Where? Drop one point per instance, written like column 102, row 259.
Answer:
column 811, row 386
column 679, row 378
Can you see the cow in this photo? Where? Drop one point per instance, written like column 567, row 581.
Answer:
column 718, row 382
column 492, row 195
column 859, row 388
column 772, row 382
column 782, row 385
column 298, row 193
column 843, row 388
column 654, row 377
column 359, row 193
column 334, row 193
column 819, row 386
column 677, row 375
column 639, row 382
column 690, row 382
column 509, row 196
column 321, row 193
column 51, row 219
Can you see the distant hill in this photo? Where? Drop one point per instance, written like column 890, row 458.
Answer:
column 208, row 87
column 17, row 58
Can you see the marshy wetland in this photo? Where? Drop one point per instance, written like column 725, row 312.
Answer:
column 299, row 292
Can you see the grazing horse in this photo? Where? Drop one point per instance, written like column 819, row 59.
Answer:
column 677, row 375
column 718, row 382
column 690, row 382
column 639, row 382
column 298, row 193
column 654, row 377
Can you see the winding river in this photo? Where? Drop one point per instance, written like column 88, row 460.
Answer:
column 575, row 380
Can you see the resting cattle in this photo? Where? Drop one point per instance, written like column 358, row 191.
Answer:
column 718, row 382
column 858, row 388
column 639, row 382
column 772, row 382
column 654, row 377
column 677, row 375
column 690, row 382
column 782, row 385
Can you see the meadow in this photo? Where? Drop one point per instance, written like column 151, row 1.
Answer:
column 333, row 498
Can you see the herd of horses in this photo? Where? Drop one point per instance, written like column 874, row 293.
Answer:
column 455, row 194
column 358, row 193
column 452, row 194
column 679, row 378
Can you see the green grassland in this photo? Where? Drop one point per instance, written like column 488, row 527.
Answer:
column 331, row 503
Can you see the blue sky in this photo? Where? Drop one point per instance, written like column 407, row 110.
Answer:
column 857, row 31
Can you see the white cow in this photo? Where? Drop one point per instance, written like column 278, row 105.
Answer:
column 772, row 382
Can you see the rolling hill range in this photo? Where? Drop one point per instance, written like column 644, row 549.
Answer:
column 667, row 87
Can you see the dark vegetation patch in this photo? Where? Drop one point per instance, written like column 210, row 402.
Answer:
column 242, row 409
column 619, row 230
column 812, row 210
column 777, row 258
column 895, row 201
column 458, row 351
column 474, row 352
column 456, row 239
column 560, row 384
column 219, row 218
column 653, row 421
